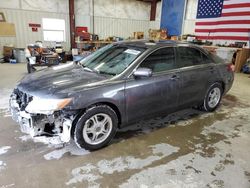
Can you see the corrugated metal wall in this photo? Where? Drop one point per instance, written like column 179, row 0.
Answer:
column 106, row 27
column 189, row 21
column 154, row 24
column 121, row 18
column 112, row 18
column 24, row 35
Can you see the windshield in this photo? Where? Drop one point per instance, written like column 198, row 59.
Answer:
column 112, row 59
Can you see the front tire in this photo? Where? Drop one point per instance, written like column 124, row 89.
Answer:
column 96, row 127
column 213, row 97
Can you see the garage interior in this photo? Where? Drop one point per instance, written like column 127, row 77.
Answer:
column 188, row 148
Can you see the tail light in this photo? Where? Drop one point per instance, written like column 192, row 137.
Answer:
column 230, row 67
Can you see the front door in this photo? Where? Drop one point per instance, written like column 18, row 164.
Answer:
column 155, row 95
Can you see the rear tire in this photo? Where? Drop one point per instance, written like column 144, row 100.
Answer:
column 96, row 127
column 213, row 97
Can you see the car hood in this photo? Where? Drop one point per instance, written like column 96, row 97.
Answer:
column 61, row 80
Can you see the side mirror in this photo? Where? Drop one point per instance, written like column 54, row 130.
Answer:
column 142, row 72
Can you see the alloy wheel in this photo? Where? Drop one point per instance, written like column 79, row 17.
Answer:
column 214, row 97
column 97, row 128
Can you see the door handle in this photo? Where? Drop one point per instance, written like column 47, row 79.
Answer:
column 175, row 77
column 211, row 69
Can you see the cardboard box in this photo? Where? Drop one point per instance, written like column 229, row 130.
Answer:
column 7, row 51
column 174, row 37
column 138, row 35
column 157, row 34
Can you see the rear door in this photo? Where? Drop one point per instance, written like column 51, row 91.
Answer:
column 155, row 95
column 196, row 72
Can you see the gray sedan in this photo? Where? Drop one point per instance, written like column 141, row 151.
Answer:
column 116, row 86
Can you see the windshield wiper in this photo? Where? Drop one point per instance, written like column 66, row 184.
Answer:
column 108, row 73
column 96, row 71
column 88, row 69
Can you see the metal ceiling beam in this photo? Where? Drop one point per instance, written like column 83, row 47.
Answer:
column 153, row 10
column 72, row 23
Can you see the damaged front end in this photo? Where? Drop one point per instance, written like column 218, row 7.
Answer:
column 40, row 117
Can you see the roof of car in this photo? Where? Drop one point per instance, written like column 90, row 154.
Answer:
column 151, row 43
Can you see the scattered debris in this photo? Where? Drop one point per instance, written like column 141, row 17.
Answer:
column 6, row 186
column 4, row 149
column 91, row 172
column 2, row 165
column 71, row 148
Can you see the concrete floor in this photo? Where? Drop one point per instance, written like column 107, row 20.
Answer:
column 185, row 149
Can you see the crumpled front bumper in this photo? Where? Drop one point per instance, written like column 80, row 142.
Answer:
column 38, row 124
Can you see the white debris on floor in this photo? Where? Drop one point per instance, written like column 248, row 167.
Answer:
column 4, row 95
column 50, row 141
column 192, row 170
column 25, row 138
column 3, row 150
column 2, row 165
column 9, row 185
column 70, row 148
column 91, row 173
column 59, row 149
column 4, row 102
column 195, row 170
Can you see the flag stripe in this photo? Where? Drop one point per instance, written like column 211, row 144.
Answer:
column 223, row 19
column 246, row 9
column 240, row 5
column 236, row 14
column 240, row 38
column 235, row 2
column 224, row 22
column 222, row 30
column 223, row 34
column 242, row 26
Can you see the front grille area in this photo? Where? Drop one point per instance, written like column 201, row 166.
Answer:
column 22, row 99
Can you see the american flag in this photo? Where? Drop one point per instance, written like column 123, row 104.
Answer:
column 223, row 20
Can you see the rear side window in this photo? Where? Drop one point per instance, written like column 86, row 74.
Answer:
column 160, row 60
column 216, row 58
column 189, row 56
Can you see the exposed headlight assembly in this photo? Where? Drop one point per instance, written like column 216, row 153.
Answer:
column 46, row 106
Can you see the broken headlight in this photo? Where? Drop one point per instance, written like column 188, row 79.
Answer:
column 46, row 106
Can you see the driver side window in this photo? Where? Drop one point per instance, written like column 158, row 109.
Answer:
column 160, row 60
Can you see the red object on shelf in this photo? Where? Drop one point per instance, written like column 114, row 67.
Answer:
column 83, row 33
column 85, row 36
column 81, row 29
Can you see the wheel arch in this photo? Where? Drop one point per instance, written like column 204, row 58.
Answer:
column 221, row 82
column 82, row 111
column 114, row 107
column 222, row 85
